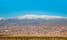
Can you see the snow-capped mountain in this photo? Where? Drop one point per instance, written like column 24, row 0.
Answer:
column 33, row 20
column 34, row 24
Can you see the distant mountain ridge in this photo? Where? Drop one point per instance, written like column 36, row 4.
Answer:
column 32, row 22
column 39, row 26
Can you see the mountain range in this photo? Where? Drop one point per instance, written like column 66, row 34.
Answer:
column 31, row 25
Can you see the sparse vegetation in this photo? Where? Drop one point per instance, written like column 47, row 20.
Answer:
column 33, row 38
column 53, row 29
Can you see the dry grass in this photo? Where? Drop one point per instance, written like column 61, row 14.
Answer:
column 32, row 38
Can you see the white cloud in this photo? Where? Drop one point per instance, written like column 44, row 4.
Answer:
column 29, row 16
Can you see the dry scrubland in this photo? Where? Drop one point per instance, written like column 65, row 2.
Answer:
column 33, row 38
column 17, row 33
column 33, row 29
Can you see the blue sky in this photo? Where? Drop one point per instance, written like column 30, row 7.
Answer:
column 12, row 8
